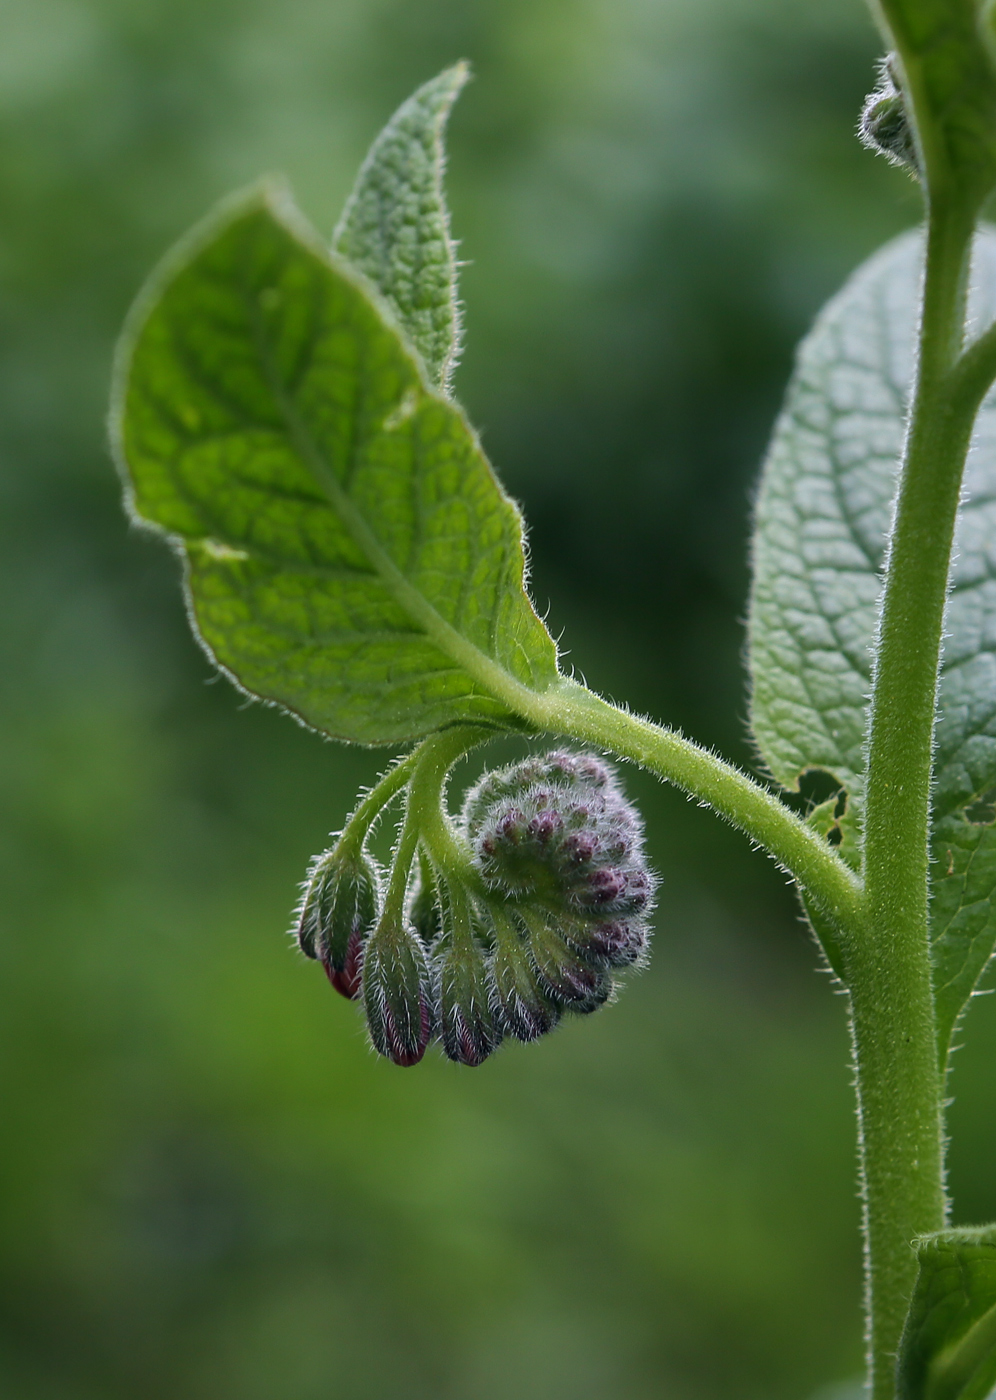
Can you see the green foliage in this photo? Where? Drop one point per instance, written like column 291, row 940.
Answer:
column 349, row 553
column 185, row 1111
column 948, row 1350
column 282, row 416
column 823, row 516
column 395, row 227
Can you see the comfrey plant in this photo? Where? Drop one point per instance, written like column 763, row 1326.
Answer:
column 283, row 415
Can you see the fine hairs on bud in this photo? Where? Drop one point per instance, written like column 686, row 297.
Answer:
column 884, row 126
column 556, row 838
column 338, row 911
column 398, row 994
column 556, row 904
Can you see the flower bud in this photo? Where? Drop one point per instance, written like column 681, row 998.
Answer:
column 615, row 943
column 565, row 975
column 397, row 993
column 467, row 1026
column 885, row 126
column 561, row 768
column 522, row 1009
column 556, row 836
column 338, row 911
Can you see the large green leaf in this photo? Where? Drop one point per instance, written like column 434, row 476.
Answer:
column 822, row 516
column 395, row 226
column 948, row 1351
column 349, row 552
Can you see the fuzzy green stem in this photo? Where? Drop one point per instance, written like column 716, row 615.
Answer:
column 427, row 773
column 899, row 1090
column 579, row 714
column 357, row 828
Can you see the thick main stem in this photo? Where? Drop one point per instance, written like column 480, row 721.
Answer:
column 893, row 1021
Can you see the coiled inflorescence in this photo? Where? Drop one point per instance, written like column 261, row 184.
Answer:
column 538, row 898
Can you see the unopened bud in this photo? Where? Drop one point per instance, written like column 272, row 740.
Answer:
column 884, row 126
column 615, row 943
column 523, row 1009
column 467, row 1026
column 338, row 911
column 397, row 993
column 557, row 836
column 564, row 974
column 560, row 768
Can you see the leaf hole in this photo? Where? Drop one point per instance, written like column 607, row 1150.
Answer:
column 817, row 786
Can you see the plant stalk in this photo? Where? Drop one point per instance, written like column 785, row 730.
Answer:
column 579, row 714
column 899, row 1088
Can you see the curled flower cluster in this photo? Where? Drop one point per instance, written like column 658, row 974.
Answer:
column 550, row 900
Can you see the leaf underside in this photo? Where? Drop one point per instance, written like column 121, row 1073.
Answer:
column 349, row 552
column 823, row 512
column 948, row 1350
column 395, row 226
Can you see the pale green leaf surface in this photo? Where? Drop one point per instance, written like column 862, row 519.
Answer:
column 822, row 516
column 349, row 552
column 948, row 1350
column 395, row 226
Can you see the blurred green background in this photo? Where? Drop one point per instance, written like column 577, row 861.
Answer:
column 208, row 1186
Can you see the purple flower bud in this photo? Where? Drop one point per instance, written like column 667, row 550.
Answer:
column 522, row 1009
column 614, row 943
column 397, row 993
column 556, row 834
column 563, row 974
column 467, row 1026
column 337, row 912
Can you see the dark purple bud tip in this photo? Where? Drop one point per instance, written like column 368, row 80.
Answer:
column 599, row 995
column 469, row 1039
column 580, row 846
column 522, row 1009
column 561, row 972
column 545, row 825
column 510, row 826
column 338, row 911
column 347, row 979
column 397, row 994
column 614, row 943
column 604, row 886
column 467, row 1026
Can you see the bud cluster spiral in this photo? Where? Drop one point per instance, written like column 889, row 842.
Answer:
column 551, row 902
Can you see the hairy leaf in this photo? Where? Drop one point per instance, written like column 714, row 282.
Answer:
column 395, row 227
column 823, row 512
column 349, row 552
column 948, row 1350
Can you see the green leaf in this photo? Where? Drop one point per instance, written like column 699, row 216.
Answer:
column 948, row 1350
column 396, row 229
column 349, row 552
column 822, row 516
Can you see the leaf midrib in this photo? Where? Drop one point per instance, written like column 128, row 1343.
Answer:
column 495, row 679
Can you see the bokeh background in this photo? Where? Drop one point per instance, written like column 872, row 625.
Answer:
column 208, row 1186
